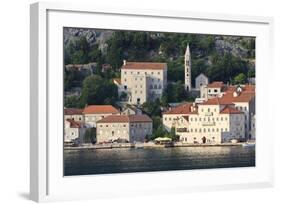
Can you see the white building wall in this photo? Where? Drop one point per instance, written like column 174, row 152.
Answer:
column 133, row 132
column 212, row 125
column 77, row 118
column 91, row 119
column 156, row 82
column 201, row 80
column 112, row 131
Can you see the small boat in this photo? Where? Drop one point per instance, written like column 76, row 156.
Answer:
column 248, row 144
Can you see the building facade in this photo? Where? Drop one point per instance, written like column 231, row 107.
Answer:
column 143, row 81
column 212, row 123
column 74, row 131
column 201, row 80
column 187, row 69
column 130, row 128
column 94, row 113
column 74, row 114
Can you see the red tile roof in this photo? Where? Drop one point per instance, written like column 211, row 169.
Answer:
column 100, row 109
column 74, row 124
column 216, row 84
column 144, row 65
column 218, row 101
column 125, row 118
column 181, row 109
column 73, row 111
column 230, row 110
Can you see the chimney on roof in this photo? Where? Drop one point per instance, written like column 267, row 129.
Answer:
column 124, row 62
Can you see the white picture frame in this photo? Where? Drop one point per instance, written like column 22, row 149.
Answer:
column 46, row 177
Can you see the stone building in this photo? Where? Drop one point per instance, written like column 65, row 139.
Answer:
column 130, row 128
column 187, row 69
column 74, row 131
column 212, row 90
column 216, row 120
column 201, row 80
column 142, row 81
column 94, row 113
column 173, row 117
column 213, row 122
column 74, row 114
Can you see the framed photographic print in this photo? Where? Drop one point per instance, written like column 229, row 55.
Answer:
column 144, row 101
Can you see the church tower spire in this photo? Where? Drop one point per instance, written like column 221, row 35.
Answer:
column 187, row 69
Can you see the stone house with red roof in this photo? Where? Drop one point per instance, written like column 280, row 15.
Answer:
column 74, row 131
column 142, row 81
column 94, row 113
column 130, row 128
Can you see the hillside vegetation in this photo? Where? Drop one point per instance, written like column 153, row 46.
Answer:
column 222, row 58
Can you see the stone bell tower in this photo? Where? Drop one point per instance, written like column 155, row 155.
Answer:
column 187, row 69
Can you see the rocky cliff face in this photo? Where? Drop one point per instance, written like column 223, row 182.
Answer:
column 93, row 36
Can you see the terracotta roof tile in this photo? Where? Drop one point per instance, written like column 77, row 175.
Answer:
column 73, row 111
column 125, row 118
column 230, row 110
column 100, row 109
column 75, row 124
column 144, row 65
column 181, row 109
column 216, row 84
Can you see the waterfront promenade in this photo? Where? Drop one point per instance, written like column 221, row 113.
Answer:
column 149, row 145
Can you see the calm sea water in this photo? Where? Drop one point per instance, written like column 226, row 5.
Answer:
column 104, row 161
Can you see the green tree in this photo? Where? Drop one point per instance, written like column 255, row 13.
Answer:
column 90, row 135
column 240, row 79
column 97, row 90
column 72, row 101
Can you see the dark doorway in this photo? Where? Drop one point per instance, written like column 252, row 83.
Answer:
column 204, row 140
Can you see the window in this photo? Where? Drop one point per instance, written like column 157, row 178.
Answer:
column 155, row 86
column 165, row 119
column 100, row 125
column 152, row 73
column 124, row 125
column 145, row 73
column 226, row 129
column 125, row 72
column 204, row 130
column 217, row 129
column 151, row 87
column 208, row 129
column 191, row 119
column 200, row 130
column 208, row 109
column 158, row 73
column 106, row 125
column 136, row 79
column 125, row 87
column 159, row 87
column 215, row 90
column 125, row 79
column 191, row 130
column 138, row 73
column 195, row 130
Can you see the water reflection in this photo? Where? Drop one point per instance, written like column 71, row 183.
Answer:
column 81, row 162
